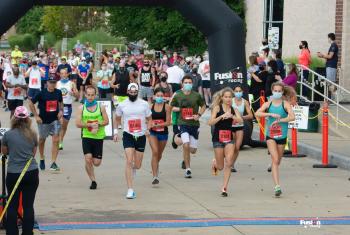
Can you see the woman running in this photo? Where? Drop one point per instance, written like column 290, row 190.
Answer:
column 278, row 112
column 161, row 119
column 222, row 117
column 242, row 106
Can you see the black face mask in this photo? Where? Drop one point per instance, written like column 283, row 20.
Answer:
column 146, row 65
column 194, row 70
column 300, row 47
column 132, row 98
column 163, row 79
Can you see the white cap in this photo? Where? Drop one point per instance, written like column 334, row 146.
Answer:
column 133, row 86
column 83, row 58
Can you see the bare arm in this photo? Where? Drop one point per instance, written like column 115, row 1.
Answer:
column 291, row 116
column 105, row 121
column 249, row 115
column 168, row 115
column 78, row 121
column 213, row 119
column 255, row 77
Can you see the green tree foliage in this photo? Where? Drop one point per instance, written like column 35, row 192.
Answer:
column 31, row 22
column 25, row 42
column 161, row 27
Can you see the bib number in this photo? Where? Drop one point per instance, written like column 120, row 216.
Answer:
column 157, row 123
column 17, row 91
column 104, row 83
column 83, row 74
column 225, row 136
column 187, row 113
column 134, row 125
column 276, row 131
column 93, row 129
column 51, row 105
column 34, row 81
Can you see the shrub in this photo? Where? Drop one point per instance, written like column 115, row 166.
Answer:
column 26, row 42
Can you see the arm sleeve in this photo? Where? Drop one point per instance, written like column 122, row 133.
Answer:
column 148, row 111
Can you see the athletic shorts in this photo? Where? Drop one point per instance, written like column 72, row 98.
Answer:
column 205, row 83
column 33, row 92
column 189, row 134
column 218, row 144
column 160, row 137
column 52, row 128
column 145, row 92
column 331, row 74
column 80, row 82
column 93, row 147
column 13, row 104
column 238, row 128
column 279, row 141
column 137, row 143
column 67, row 111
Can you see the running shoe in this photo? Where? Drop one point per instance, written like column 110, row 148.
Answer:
column 119, row 126
column 269, row 169
column 233, row 169
column 131, row 194
column 183, row 165
column 224, row 192
column 42, row 165
column 173, row 143
column 54, row 167
column 214, row 170
column 93, row 185
column 60, row 146
column 155, row 180
column 188, row 174
column 278, row 191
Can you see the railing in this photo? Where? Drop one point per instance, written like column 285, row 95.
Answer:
column 317, row 78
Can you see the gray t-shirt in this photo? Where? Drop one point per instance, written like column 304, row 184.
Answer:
column 20, row 150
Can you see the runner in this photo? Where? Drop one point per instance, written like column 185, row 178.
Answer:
column 69, row 91
column 49, row 120
column 243, row 107
column 92, row 118
column 146, row 81
column 83, row 77
column 279, row 112
column 161, row 119
column 168, row 92
column 104, row 76
column 137, row 121
column 120, row 82
column 34, row 73
column 16, row 85
column 222, row 117
column 191, row 106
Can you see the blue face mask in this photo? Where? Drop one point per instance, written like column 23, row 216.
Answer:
column 89, row 104
column 159, row 100
column 64, row 80
column 276, row 95
column 187, row 87
column 239, row 94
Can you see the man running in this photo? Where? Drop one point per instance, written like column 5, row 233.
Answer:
column 191, row 107
column 137, row 121
column 49, row 120
column 92, row 118
column 69, row 91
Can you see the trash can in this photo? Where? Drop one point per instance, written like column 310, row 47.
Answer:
column 312, row 125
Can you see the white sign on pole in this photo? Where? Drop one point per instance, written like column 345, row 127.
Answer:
column 274, row 37
column 301, row 118
column 109, row 128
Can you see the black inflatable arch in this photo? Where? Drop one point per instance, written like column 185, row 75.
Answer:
column 222, row 27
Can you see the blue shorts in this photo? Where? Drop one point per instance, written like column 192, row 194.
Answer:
column 67, row 111
column 33, row 92
column 160, row 137
column 218, row 144
column 191, row 130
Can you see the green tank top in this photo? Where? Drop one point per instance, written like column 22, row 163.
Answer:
column 282, row 125
column 95, row 116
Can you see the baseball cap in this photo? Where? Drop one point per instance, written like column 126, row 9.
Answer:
column 52, row 79
column 133, row 86
column 63, row 58
column 21, row 112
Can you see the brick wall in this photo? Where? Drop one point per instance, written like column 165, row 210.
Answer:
column 339, row 17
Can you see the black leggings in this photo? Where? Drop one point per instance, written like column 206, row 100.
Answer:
column 28, row 187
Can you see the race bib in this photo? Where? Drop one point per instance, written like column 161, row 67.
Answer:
column 51, row 105
column 225, row 136
column 134, row 125
column 158, row 122
column 17, row 91
column 104, row 83
column 83, row 74
column 187, row 113
column 65, row 111
column 34, row 81
column 91, row 129
column 276, row 131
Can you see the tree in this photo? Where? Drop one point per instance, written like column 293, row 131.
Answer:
column 30, row 22
column 161, row 27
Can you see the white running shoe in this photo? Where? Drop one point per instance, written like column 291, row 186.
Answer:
column 131, row 194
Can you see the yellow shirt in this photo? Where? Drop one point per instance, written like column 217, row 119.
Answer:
column 15, row 54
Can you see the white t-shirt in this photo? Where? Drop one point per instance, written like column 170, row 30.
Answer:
column 66, row 90
column 204, row 70
column 16, row 93
column 134, row 116
column 7, row 71
column 35, row 78
column 175, row 74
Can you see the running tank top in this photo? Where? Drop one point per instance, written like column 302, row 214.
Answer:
column 93, row 117
column 280, row 130
column 159, row 117
column 145, row 77
column 222, row 129
column 241, row 109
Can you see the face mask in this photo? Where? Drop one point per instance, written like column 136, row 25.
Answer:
column 300, row 47
column 159, row 100
column 84, row 62
column 187, row 87
column 146, row 65
column 163, row 79
column 238, row 94
column 64, row 80
column 132, row 98
column 276, row 95
column 194, row 70
column 89, row 104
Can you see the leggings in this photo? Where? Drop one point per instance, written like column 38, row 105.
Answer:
column 28, row 187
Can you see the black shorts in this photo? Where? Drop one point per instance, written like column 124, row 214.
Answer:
column 239, row 128
column 279, row 142
column 93, row 147
column 137, row 143
column 80, row 82
column 205, row 83
column 13, row 104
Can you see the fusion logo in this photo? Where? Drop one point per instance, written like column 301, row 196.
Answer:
column 313, row 223
column 234, row 76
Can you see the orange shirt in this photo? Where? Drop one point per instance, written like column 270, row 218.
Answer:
column 305, row 58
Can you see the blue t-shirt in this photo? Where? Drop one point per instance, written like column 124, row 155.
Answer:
column 46, row 68
column 64, row 66
column 332, row 63
column 83, row 69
